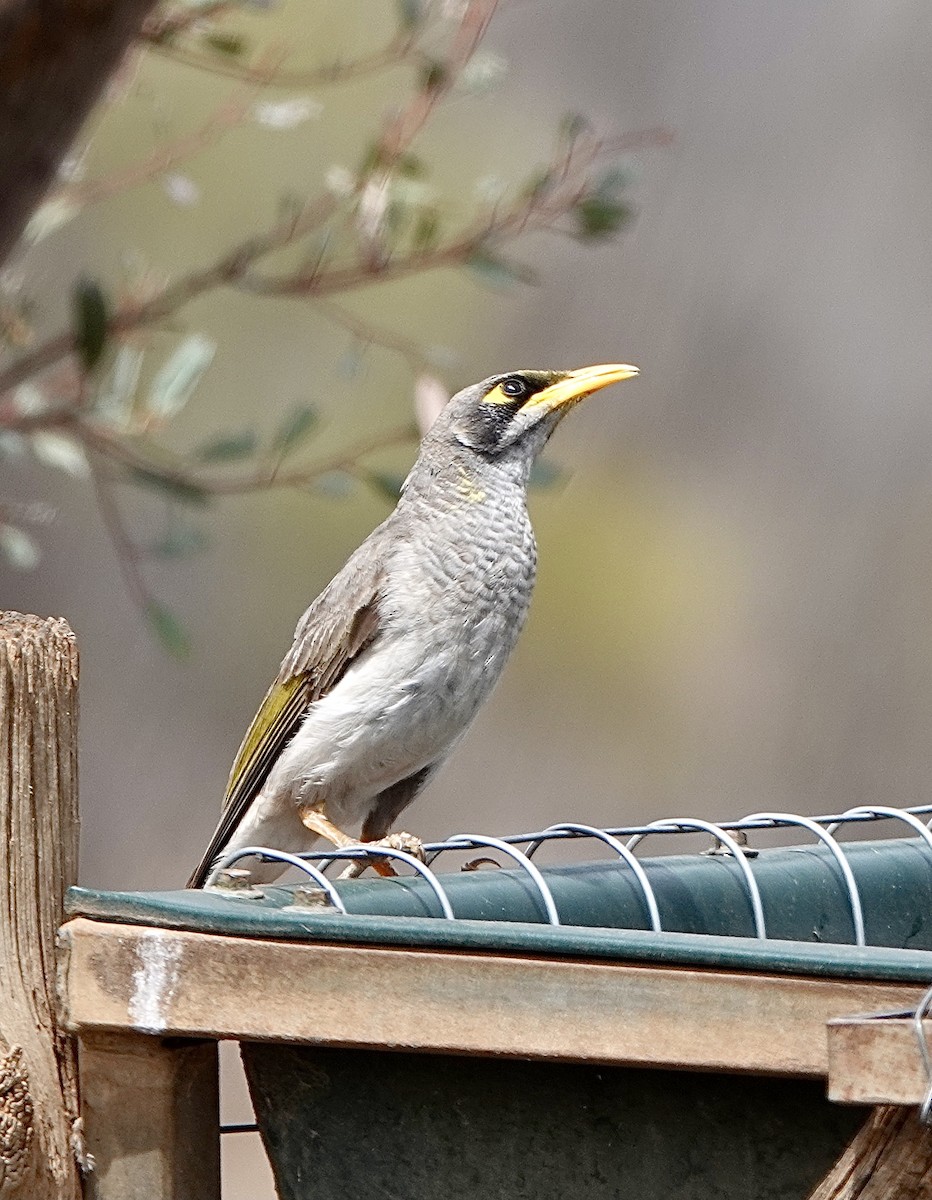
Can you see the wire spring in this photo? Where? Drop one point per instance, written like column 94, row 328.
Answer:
column 730, row 836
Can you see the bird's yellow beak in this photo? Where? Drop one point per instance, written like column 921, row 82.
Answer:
column 577, row 385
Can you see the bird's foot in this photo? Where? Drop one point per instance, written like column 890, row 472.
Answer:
column 395, row 841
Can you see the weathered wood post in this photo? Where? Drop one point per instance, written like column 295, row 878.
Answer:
column 890, row 1158
column 40, row 1136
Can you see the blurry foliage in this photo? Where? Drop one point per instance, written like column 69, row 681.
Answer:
column 93, row 399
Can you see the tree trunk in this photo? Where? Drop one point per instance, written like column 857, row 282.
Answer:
column 55, row 57
column 39, row 1134
column 890, row 1158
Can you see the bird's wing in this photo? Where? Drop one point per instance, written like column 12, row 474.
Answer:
column 341, row 623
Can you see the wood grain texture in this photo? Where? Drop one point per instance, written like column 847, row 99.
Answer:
column 123, row 977
column 876, row 1060
column 38, row 861
column 151, row 1110
column 890, row 1158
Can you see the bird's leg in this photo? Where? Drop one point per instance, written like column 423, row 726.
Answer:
column 388, row 807
column 316, row 822
column 395, row 841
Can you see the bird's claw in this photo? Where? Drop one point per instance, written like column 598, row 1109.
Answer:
column 405, row 842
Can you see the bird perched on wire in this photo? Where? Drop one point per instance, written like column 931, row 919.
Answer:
column 394, row 658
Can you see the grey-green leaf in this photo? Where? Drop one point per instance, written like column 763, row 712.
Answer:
column 426, row 230
column 410, row 13
column 599, row 217
column 168, row 485
column 497, row 272
column 181, row 541
column 615, row 179
column 385, row 483
column 174, row 384
column 169, row 630
column 228, row 447
column 546, row 475
column 297, row 426
column 19, row 548
column 90, row 314
column 231, row 44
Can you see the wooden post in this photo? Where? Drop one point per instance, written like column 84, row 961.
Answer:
column 152, row 1112
column 890, row 1158
column 40, row 1135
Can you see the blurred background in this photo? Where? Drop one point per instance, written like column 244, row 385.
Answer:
column 734, row 606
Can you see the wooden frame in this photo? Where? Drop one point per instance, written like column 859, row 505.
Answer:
column 136, row 979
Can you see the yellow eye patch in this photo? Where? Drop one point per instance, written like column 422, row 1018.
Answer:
column 497, row 396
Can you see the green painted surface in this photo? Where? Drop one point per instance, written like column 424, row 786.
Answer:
column 341, row 1123
column 703, row 903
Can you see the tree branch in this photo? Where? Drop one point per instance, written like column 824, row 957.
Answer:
column 55, row 59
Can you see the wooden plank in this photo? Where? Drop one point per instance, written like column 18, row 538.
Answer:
column 876, row 1060
column 151, row 1114
column 123, row 977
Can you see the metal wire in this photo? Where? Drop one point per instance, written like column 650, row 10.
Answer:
column 724, row 839
column 893, row 814
column 854, row 896
column 471, row 840
column 374, row 851
column 918, row 1016
column 650, row 900
column 918, row 818
column 265, row 852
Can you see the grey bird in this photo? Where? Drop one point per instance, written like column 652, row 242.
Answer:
column 392, row 661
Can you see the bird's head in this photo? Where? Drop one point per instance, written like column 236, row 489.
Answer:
column 515, row 413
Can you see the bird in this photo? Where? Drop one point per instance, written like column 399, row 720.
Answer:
column 395, row 657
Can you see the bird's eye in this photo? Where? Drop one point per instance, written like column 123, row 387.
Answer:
column 514, row 387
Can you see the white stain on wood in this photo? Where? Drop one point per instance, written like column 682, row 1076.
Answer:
column 155, row 979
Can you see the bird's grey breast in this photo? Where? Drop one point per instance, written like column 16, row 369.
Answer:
column 458, row 585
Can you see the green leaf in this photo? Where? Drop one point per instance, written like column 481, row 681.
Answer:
column 572, row 125
column 297, row 426
column 546, row 475
column 228, row 447
column 169, row 630
column 114, row 400
column 19, row 548
column 498, row 272
column 174, row 384
column 426, row 230
column 90, row 312
column 614, row 180
column 175, row 489
column 385, row 483
column 180, row 542
column 410, row 13
column 371, row 160
column 411, row 167
column 335, row 485
column 57, row 450
column 231, row 44
column 433, row 76
column 599, row 217
column 538, row 185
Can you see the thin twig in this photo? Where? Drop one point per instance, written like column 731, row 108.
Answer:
column 126, row 553
column 123, row 453
column 233, row 265
column 230, row 114
column 373, row 334
column 400, row 49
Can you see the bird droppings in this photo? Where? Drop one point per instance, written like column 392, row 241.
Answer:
column 155, row 979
